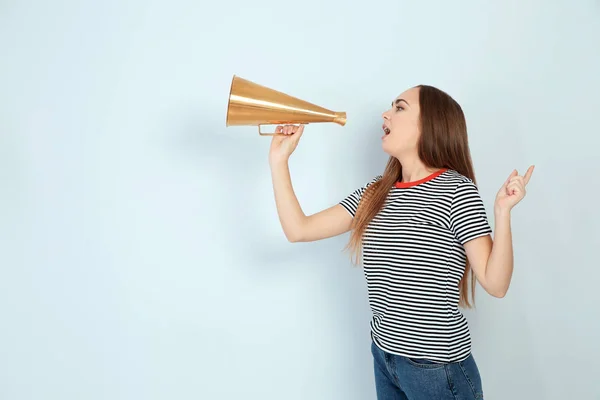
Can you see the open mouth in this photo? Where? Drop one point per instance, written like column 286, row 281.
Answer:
column 386, row 130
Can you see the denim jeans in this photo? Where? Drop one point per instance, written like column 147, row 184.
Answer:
column 403, row 378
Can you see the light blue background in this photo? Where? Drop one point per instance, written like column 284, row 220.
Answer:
column 141, row 254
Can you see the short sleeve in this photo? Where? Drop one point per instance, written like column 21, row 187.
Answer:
column 350, row 203
column 468, row 219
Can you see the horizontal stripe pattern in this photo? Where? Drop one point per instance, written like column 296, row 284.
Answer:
column 413, row 259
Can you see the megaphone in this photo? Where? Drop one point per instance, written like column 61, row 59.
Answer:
column 253, row 104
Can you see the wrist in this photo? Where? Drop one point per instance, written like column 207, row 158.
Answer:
column 501, row 212
column 278, row 162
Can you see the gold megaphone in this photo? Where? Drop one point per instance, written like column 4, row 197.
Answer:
column 253, row 104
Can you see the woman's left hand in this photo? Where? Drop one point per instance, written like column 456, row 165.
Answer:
column 512, row 191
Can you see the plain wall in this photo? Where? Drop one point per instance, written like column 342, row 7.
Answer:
column 141, row 254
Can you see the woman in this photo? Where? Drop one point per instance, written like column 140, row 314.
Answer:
column 423, row 235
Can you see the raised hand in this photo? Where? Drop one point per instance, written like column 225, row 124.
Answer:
column 284, row 142
column 513, row 190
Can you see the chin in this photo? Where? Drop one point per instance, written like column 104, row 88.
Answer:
column 386, row 147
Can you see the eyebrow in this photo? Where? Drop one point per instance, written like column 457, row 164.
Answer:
column 399, row 100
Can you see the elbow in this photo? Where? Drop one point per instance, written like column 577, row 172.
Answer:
column 293, row 237
column 498, row 293
column 295, row 233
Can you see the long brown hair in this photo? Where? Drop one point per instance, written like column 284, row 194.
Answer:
column 443, row 144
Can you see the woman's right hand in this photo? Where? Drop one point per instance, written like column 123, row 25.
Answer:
column 284, row 142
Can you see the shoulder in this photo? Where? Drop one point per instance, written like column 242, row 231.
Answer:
column 369, row 182
column 373, row 180
column 351, row 201
column 459, row 181
column 460, row 188
column 358, row 192
column 456, row 177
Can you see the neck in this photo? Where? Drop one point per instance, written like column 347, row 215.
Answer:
column 413, row 169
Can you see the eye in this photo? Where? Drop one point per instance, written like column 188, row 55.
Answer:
column 398, row 108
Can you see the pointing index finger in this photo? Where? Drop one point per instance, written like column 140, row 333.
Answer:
column 528, row 174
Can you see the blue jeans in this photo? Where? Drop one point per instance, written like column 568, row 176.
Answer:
column 403, row 378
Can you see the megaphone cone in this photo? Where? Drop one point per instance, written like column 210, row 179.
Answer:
column 253, row 104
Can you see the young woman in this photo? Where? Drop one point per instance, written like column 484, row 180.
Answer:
column 422, row 232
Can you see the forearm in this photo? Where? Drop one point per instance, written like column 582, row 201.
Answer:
column 498, row 272
column 289, row 211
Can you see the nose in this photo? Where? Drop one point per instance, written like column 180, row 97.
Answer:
column 384, row 115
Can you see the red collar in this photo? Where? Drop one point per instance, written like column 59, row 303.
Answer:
column 399, row 184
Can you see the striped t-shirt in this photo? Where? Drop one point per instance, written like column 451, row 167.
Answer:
column 413, row 259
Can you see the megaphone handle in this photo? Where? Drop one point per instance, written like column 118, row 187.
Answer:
column 270, row 133
column 265, row 133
